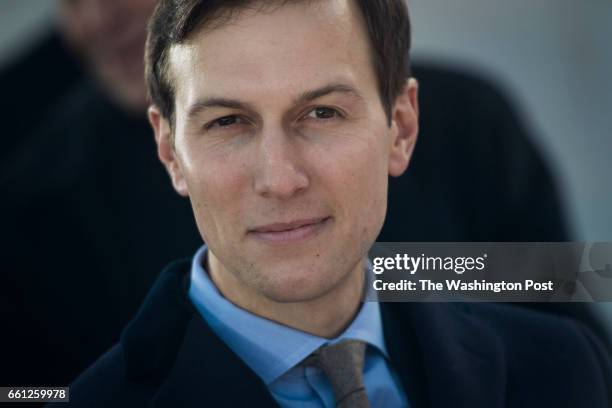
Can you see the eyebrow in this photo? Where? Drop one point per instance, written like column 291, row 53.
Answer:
column 326, row 90
column 204, row 104
column 217, row 102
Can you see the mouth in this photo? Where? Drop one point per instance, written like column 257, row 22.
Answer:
column 290, row 232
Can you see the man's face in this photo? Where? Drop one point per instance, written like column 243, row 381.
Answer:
column 110, row 36
column 282, row 144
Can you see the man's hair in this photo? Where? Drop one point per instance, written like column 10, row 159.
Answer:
column 174, row 21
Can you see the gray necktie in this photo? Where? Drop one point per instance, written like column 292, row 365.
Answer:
column 343, row 364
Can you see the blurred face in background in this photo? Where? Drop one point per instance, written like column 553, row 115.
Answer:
column 109, row 35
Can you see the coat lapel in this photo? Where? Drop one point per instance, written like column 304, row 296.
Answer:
column 170, row 348
column 208, row 374
column 444, row 357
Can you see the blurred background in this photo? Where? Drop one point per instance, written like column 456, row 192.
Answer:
column 526, row 84
column 554, row 57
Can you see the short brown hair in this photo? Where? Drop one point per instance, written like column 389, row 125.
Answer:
column 173, row 21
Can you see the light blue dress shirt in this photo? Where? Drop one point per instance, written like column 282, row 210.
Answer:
column 273, row 351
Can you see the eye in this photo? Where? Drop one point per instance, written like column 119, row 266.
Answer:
column 225, row 121
column 323, row 112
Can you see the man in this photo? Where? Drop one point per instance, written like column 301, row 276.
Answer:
column 281, row 122
column 91, row 187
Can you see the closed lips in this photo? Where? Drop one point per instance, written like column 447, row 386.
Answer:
column 288, row 226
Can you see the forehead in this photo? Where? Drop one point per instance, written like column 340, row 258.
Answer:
column 277, row 50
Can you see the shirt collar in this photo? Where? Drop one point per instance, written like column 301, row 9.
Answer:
column 270, row 349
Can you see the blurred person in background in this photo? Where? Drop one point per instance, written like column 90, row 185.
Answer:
column 88, row 204
column 109, row 36
column 104, row 37
column 81, row 192
column 28, row 94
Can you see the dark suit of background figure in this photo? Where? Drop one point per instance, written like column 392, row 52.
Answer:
column 89, row 217
column 446, row 355
column 30, row 86
column 93, row 219
column 476, row 175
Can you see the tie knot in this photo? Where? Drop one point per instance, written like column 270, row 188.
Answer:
column 343, row 363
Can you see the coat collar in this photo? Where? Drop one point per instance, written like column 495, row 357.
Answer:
column 170, row 347
column 208, row 373
column 443, row 356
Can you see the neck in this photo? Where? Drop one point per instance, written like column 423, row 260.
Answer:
column 326, row 316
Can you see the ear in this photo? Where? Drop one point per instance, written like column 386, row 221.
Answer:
column 404, row 128
column 165, row 149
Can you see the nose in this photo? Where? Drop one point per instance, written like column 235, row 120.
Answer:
column 280, row 172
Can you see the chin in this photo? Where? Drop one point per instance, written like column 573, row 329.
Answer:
column 305, row 285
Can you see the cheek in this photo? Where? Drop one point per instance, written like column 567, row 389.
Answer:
column 215, row 187
column 355, row 173
column 371, row 181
